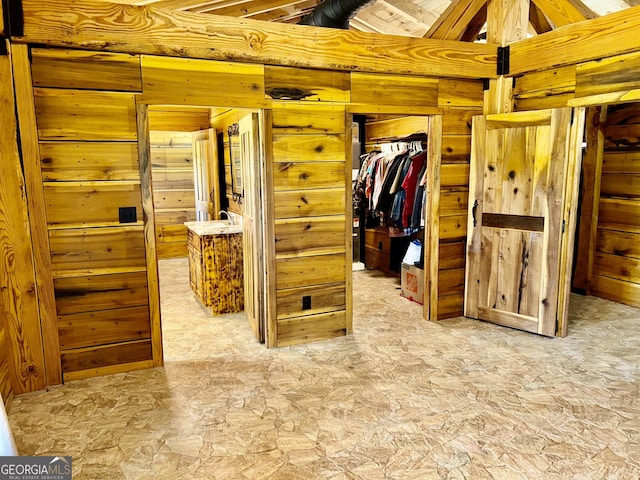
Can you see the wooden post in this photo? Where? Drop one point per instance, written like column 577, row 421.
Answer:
column 432, row 220
column 37, row 211
column 18, row 296
column 590, row 197
column 144, row 156
column 507, row 21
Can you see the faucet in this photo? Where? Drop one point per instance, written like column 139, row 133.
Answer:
column 229, row 217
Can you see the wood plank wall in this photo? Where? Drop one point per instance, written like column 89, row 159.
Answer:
column 86, row 121
column 309, row 188
column 460, row 101
column 173, row 190
column 616, row 260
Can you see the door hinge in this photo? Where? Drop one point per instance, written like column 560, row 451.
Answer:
column 563, row 225
column 503, row 60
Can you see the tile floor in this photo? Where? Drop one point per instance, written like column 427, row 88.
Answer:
column 402, row 398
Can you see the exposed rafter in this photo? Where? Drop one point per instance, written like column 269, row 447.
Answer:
column 564, row 12
column 538, row 20
column 249, row 9
column 453, row 23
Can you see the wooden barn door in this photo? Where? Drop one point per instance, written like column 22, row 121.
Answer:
column 252, row 223
column 522, row 195
column 205, row 173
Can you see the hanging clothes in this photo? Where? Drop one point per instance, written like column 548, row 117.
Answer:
column 409, row 184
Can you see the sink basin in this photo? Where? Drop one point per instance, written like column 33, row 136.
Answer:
column 214, row 227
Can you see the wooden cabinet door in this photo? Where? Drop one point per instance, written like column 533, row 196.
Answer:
column 522, row 204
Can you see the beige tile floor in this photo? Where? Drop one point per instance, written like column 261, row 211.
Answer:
column 401, row 399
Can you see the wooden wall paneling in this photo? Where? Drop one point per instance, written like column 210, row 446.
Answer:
column 552, row 88
column 396, row 128
column 432, row 219
column 76, row 294
column 315, row 235
column 144, row 152
column 18, row 297
column 623, row 136
column 540, row 101
column 90, row 203
column 601, row 37
column 460, row 93
column 210, row 83
column 32, row 163
column 616, row 290
column 152, row 30
column 106, row 359
column 6, row 391
column 308, row 148
column 78, row 69
column 324, row 299
column 369, row 88
column 179, row 119
column 457, row 120
column 287, row 83
column 621, row 185
column 608, row 75
column 300, row 117
column 102, row 327
column 84, row 115
column 84, row 161
column 309, row 203
column 310, row 251
column 618, row 211
column 592, row 165
column 311, row 328
column 92, row 250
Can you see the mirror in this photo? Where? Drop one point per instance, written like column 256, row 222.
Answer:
column 236, row 159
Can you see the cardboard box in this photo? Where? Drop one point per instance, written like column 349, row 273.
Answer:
column 412, row 283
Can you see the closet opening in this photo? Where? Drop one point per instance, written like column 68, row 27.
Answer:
column 389, row 198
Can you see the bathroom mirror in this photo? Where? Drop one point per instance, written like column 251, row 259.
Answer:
column 236, row 159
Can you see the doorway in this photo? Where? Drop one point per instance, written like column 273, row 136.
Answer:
column 197, row 173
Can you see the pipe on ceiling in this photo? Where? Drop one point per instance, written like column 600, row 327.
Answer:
column 333, row 13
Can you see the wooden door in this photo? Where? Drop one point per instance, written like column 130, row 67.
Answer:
column 205, row 174
column 252, row 223
column 522, row 203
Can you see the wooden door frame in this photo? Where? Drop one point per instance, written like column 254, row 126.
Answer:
column 432, row 203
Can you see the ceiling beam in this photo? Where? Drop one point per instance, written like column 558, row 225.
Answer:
column 150, row 30
column 453, row 23
column 475, row 26
column 564, row 12
column 601, row 37
column 538, row 19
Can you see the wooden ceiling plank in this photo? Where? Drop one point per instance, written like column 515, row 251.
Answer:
column 184, row 4
column 601, row 37
column 150, row 30
column 564, row 12
column 251, row 8
column 453, row 23
column 403, row 8
column 538, row 19
column 212, row 5
column 290, row 14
